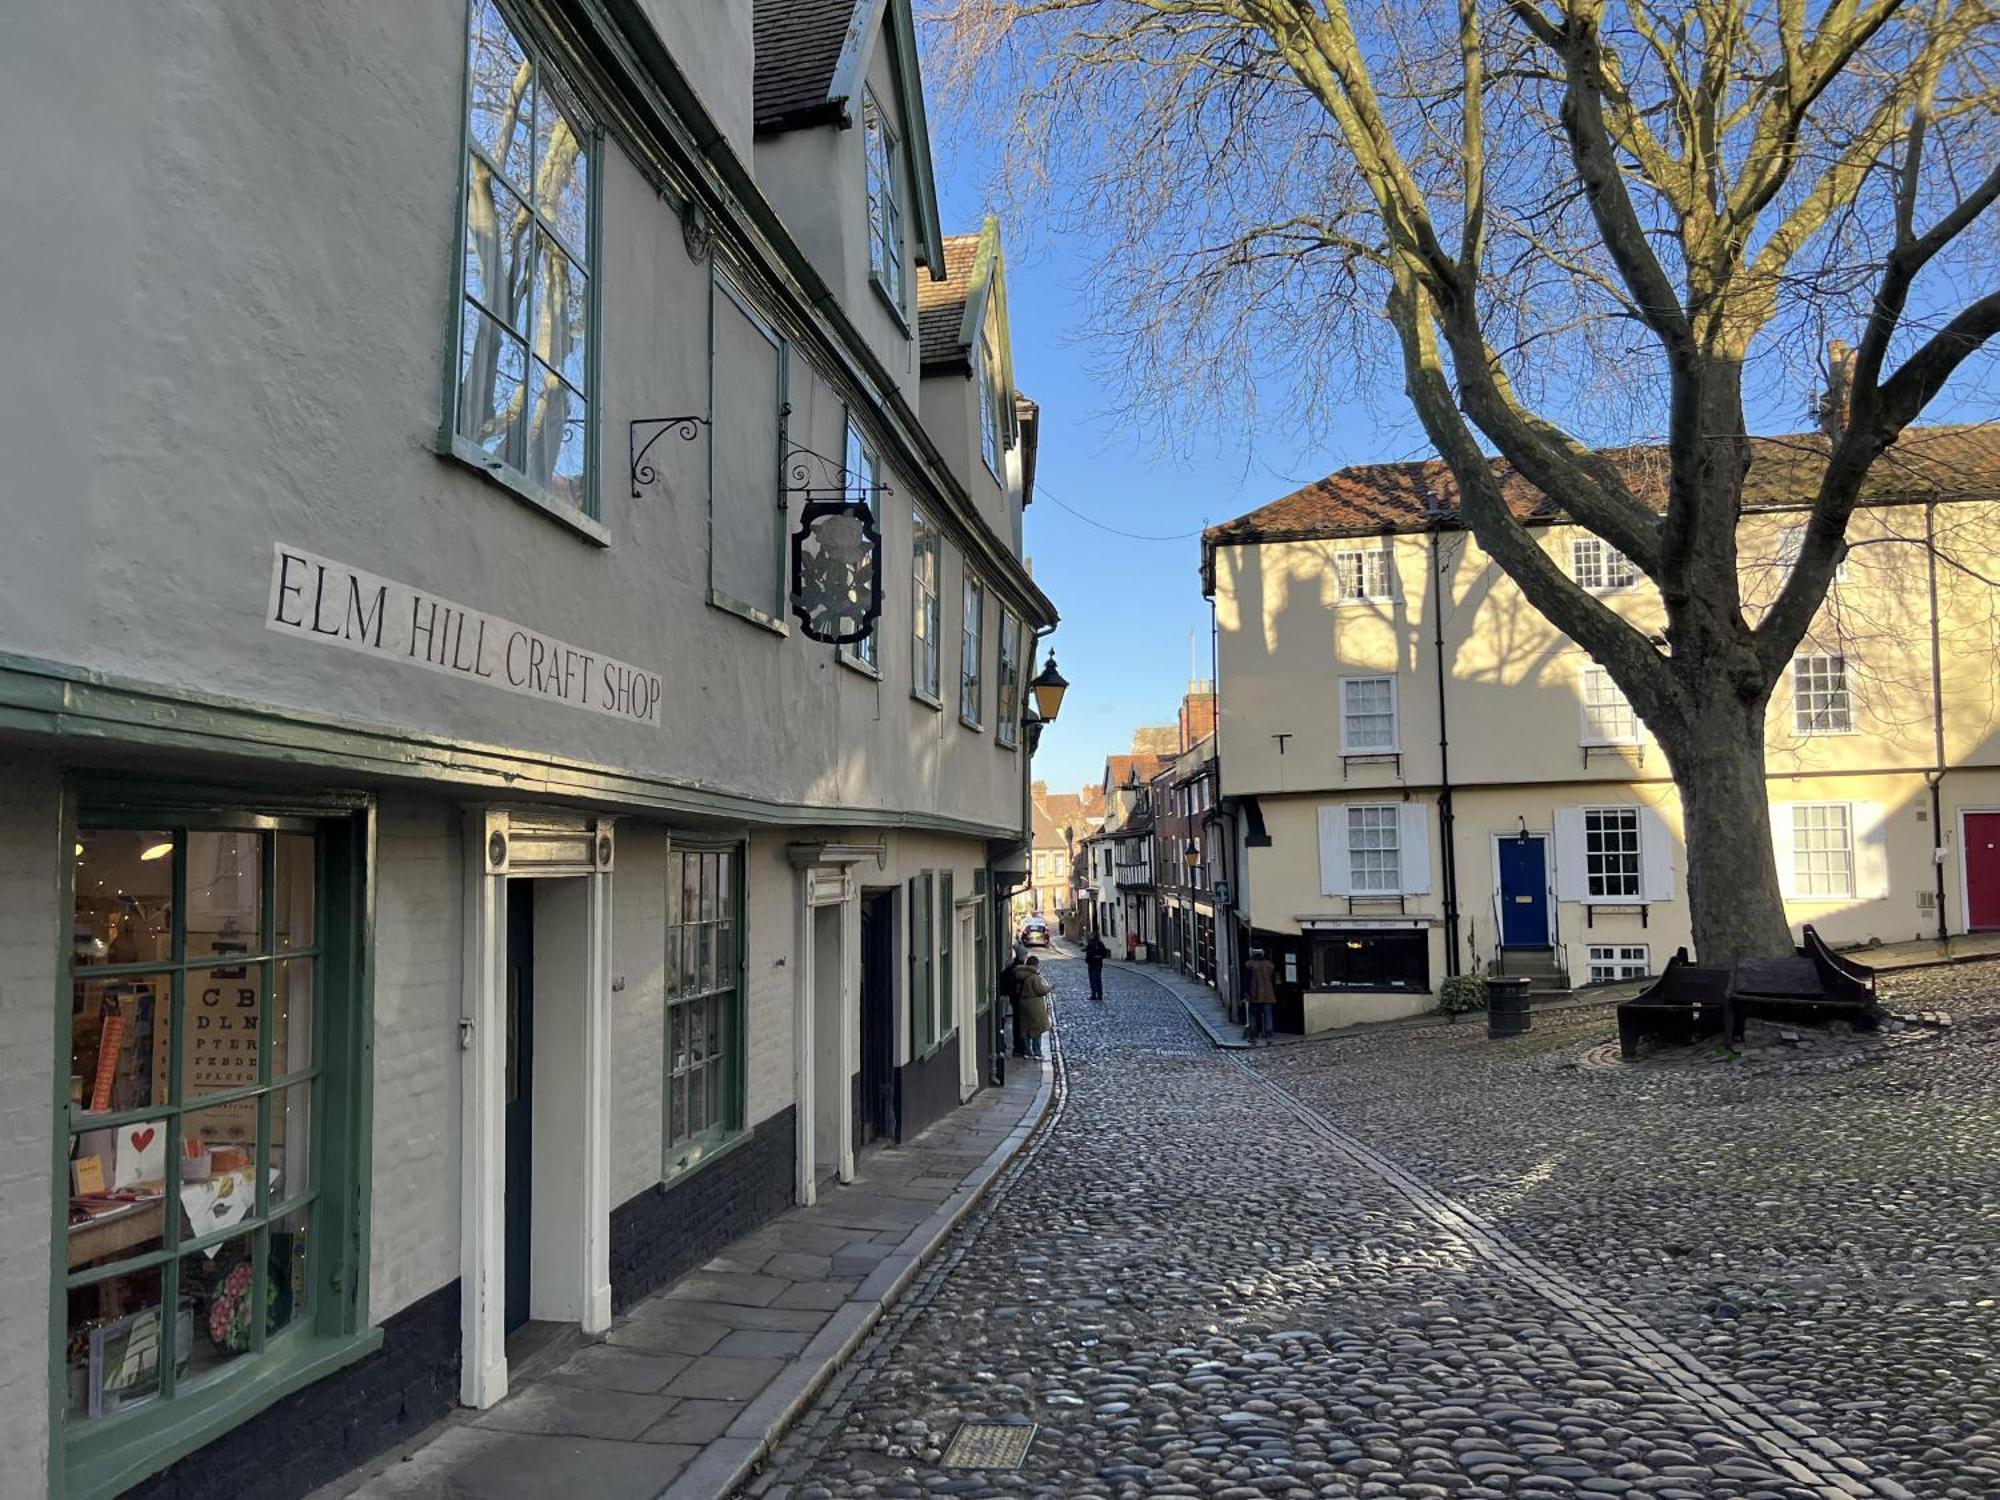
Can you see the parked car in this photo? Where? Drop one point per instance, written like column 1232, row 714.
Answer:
column 1035, row 933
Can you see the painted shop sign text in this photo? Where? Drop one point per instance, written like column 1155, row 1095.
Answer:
column 337, row 605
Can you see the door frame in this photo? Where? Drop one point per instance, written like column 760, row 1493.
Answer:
column 498, row 844
column 823, row 876
column 965, row 983
column 1547, row 841
column 1964, row 873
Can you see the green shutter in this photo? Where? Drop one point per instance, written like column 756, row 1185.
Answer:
column 947, row 1014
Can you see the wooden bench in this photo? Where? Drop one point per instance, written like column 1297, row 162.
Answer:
column 1687, row 1002
column 1816, row 987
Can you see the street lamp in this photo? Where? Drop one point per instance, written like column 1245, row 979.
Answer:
column 1048, row 688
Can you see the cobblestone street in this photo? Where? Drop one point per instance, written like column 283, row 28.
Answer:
column 1419, row 1264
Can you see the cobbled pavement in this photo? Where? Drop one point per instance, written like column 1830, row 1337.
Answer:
column 1426, row 1266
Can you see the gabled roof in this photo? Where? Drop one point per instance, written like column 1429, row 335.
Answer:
column 1370, row 499
column 1131, row 770
column 811, row 68
column 942, row 337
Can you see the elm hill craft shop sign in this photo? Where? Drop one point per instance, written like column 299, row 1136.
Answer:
column 318, row 599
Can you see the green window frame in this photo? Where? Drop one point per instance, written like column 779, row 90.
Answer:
column 521, row 367
column 864, row 475
column 945, row 1023
column 924, row 649
column 705, row 1052
column 1007, row 704
column 275, row 1295
column 883, row 152
column 923, row 965
column 982, row 981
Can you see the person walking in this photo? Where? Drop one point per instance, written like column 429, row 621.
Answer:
column 1260, row 993
column 1033, row 1005
column 1010, row 991
column 1094, row 954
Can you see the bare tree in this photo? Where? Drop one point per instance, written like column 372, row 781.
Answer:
column 1548, row 204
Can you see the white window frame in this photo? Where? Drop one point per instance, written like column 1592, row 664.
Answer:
column 1814, row 718
column 1364, row 818
column 1597, row 881
column 1611, row 963
column 1347, row 745
column 1598, row 693
column 864, row 474
column 971, row 651
column 1364, row 575
column 1803, row 879
column 1792, row 543
column 1007, row 705
column 883, row 150
column 1600, row 567
column 925, row 554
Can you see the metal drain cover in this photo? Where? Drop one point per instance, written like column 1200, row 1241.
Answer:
column 989, row 1445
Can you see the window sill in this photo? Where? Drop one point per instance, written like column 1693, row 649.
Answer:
column 973, row 724
column 889, row 301
column 1610, row 744
column 1357, row 601
column 156, row 1437
column 525, row 490
column 927, row 700
column 701, row 1151
column 749, row 612
column 856, row 664
column 1824, row 734
column 1000, row 744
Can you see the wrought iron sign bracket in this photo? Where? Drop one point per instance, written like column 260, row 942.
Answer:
column 644, row 473
column 814, row 477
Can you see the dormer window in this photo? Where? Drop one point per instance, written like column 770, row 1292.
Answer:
column 991, row 425
column 885, row 201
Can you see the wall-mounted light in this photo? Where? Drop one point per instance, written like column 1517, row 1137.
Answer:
column 1048, row 687
column 1522, row 836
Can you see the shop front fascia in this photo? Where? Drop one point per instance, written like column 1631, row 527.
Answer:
column 571, row 857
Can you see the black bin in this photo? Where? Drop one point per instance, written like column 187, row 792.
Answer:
column 1506, row 1006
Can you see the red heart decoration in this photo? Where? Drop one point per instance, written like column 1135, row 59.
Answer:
column 141, row 1139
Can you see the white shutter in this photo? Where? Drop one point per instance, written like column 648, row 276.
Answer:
column 1572, row 883
column 1656, row 856
column 1871, row 852
column 1416, row 848
column 1336, row 877
column 1781, row 847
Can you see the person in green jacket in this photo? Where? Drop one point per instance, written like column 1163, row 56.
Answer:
column 1031, row 992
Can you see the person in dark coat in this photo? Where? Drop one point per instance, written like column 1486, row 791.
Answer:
column 1094, row 954
column 1260, row 994
column 1010, row 991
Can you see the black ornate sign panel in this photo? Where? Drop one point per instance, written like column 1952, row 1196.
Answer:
column 837, row 571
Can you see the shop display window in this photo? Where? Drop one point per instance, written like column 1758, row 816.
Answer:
column 704, row 1010
column 197, row 1081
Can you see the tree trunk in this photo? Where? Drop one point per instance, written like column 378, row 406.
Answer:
column 1734, row 901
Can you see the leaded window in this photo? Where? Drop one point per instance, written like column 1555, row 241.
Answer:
column 1611, row 853
column 1611, row 962
column 1608, row 718
column 885, row 200
column 1374, row 852
column 1596, row 564
column 704, row 1001
column 924, row 605
column 1822, row 849
column 211, row 1044
column 524, row 370
column 1361, row 574
column 1368, row 715
column 992, row 421
column 1821, row 701
column 1007, row 729
column 971, row 651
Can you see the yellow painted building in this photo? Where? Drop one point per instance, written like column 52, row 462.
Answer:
column 1431, row 779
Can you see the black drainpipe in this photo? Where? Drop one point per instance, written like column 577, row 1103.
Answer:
column 1935, row 779
column 1447, row 852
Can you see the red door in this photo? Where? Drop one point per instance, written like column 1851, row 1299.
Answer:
column 1982, row 869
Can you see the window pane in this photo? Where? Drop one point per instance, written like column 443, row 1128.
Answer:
column 499, row 236
column 562, row 311
column 219, row 1287
column 221, row 1141
column 291, row 1265
column 492, row 371
column 292, row 1023
column 697, row 1106
column 224, row 894
column 119, row 1043
column 124, row 897
column 562, row 171
column 130, row 1161
column 297, row 890
column 502, row 92
column 113, row 1352
column 290, row 1161
column 220, row 1013
column 556, row 437
column 677, row 1056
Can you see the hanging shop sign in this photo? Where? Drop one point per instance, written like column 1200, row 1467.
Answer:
column 836, row 573
column 318, row 599
column 837, row 549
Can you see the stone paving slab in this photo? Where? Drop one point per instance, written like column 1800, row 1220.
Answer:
column 687, row 1391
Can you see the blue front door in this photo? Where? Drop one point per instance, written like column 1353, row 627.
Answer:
column 1524, row 892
